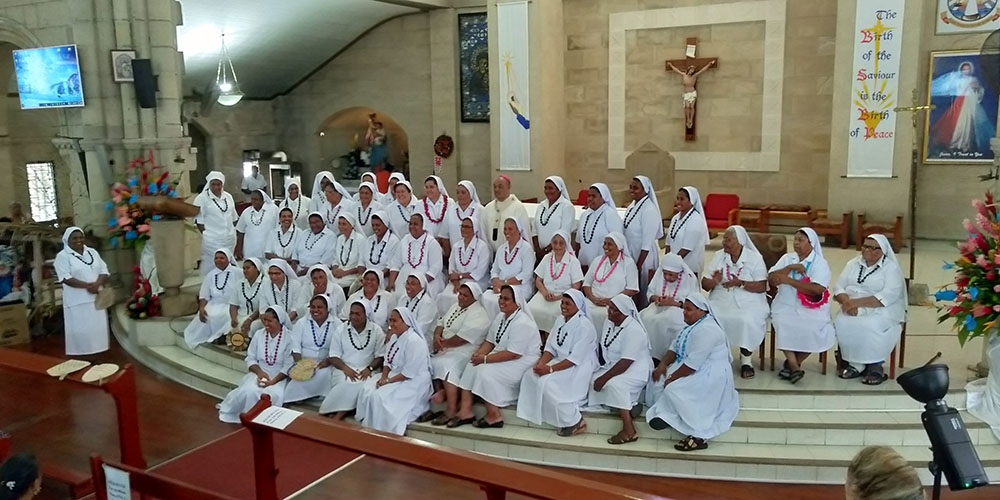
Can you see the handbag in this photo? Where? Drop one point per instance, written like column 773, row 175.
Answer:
column 105, row 299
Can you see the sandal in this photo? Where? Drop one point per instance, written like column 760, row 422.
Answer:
column 441, row 420
column 458, row 422
column 874, row 377
column 619, row 439
column 658, row 424
column 747, row 372
column 796, row 376
column 573, row 430
column 483, row 424
column 428, row 415
column 691, row 443
column 785, row 373
column 849, row 372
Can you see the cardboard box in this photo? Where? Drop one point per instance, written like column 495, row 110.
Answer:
column 14, row 325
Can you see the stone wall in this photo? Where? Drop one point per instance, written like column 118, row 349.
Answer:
column 231, row 130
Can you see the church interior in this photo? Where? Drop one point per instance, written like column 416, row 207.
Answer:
column 810, row 310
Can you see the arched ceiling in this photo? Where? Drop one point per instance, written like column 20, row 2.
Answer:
column 274, row 44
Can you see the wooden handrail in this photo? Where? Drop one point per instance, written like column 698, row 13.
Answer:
column 495, row 476
column 148, row 483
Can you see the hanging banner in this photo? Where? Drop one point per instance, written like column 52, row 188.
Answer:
column 514, row 113
column 877, row 49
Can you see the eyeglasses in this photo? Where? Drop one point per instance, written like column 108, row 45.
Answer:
column 871, row 247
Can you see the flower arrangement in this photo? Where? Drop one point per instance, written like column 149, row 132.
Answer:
column 975, row 293
column 143, row 303
column 128, row 224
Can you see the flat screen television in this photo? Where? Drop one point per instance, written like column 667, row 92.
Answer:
column 48, row 77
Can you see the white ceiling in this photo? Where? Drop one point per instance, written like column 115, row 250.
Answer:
column 273, row 43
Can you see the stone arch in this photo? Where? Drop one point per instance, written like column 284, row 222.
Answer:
column 338, row 131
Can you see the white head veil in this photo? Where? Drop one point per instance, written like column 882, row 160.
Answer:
column 267, row 199
column 282, row 316
column 695, row 198
column 365, row 306
column 521, row 302
column 439, row 183
column 409, row 320
column 474, row 288
column 423, row 283
column 317, row 187
column 580, row 300
column 520, row 227
column 743, row 238
column 320, row 267
column 619, row 240
column 284, row 267
column 471, row 188
column 69, row 232
column 814, row 241
column 562, row 233
column 344, row 193
column 292, row 181
column 329, row 306
column 256, row 263
column 560, row 185
column 214, row 175
column 351, row 219
column 229, row 256
column 605, row 193
column 675, row 264
column 647, row 186
column 383, row 218
column 374, row 181
column 373, row 188
column 701, row 302
column 377, row 273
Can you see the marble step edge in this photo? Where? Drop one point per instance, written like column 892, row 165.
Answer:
column 201, row 381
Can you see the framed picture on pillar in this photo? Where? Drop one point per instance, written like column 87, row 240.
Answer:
column 474, row 67
column 964, row 119
column 121, row 65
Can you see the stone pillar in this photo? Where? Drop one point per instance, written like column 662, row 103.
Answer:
column 445, row 100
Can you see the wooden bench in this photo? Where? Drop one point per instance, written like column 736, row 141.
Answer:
column 893, row 230
column 826, row 226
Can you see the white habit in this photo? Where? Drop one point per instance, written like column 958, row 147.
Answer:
column 392, row 407
column 558, row 275
column 470, row 324
column 86, row 327
column 499, row 383
column 311, row 340
column 357, row 350
column 273, row 354
column 615, row 343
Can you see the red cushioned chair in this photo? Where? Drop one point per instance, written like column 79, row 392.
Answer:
column 721, row 211
column 581, row 199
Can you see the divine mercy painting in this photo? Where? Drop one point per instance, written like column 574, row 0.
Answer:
column 474, row 67
column 964, row 120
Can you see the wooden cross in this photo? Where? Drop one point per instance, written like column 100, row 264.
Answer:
column 700, row 65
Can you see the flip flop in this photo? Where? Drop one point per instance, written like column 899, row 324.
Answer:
column 483, row 424
column 573, row 430
column 796, row 376
column 441, row 420
column 458, row 422
column 785, row 372
column 691, row 443
column 874, row 378
column 618, row 439
column 747, row 372
column 428, row 415
column 849, row 372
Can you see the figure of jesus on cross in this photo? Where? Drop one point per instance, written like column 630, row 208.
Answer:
column 689, row 78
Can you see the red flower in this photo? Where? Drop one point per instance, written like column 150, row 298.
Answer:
column 980, row 311
column 955, row 311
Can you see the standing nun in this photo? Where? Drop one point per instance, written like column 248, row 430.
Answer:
column 434, row 206
column 216, row 219
column 692, row 389
column 82, row 273
column 664, row 316
column 610, row 274
column 555, row 213
column 284, row 291
column 297, row 203
column 470, row 261
column 600, row 219
column 338, row 201
column 380, row 302
column 381, row 246
column 268, row 360
column 418, row 253
column 366, row 206
column 216, row 309
column 400, row 210
column 311, row 339
column 688, row 232
column 318, row 201
column 356, row 353
column 467, row 205
column 643, row 224
column 400, row 394
column 390, row 194
column 255, row 225
column 513, row 265
column 368, row 178
column 556, row 388
column 347, row 265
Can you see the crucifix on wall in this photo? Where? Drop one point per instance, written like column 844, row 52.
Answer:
column 690, row 68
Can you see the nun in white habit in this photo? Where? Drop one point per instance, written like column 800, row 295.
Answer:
column 624, row 364
column 381, row 246
column 255, row 225
column 338, row 201
column 216, row 312
column 379, row 301
column 316, row 245
column 664, row 316
column 318, row 200
column 558, row 271
column 390, row 194
column 283, row 240
column 347, row 265
column 216, row 219
column 82, row 273
column 400, row 210
column 692, row 388
column 495, row 370
column 467, row 205
column 643, row 225
column 368, row 178
column 420, row 303
column 688, row 231
column 366, row 206
column 600, row 219
column 872, row 297
column 298, row 203
column 470, row 262
column 268, row 360
column 356, row 349
column 322, row 282
column 736, row 280
column 513, row 265
column 610, row 274
column 418, row 253
column 800, row 312
column 401, row 394
column 284, row 291
column 434, row 206
column 555, row 213
column 311, row 339
column 247, row 295
column 557, row 386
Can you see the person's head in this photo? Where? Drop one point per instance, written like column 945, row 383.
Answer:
column 670, row 276
column 510, row 231
column 468, row 229
column 332, row 195
column 594, row 198
column 501, row 188
column 731, row 242
column 370, row 282
column 611, row 248
column 319, row 309
column 277, row 275
column 692, row 312
column 285, row 218
column 616, row 315
column 463, row 195
column 319, row 280
column 403, row 194
column 690, row 70
column 257, row 200
column 392, row 185
column 270, row 321
column 256, row 170
column 465, row 297
column 365, row 195
column 416, row 225
column 293, row 191
column 378, row 226
column 801, row 244
column 965, row 68
column 250, row 271
column 221, row 261
column 682, row 203
column 431, row 189
column 20, row 477
column 324, row 182
column 506, row 300
column 879, row 473
column 635, row 190
column 344, row 226
column 871, row 251
column 215, row 186
column 551, row 191
column 558, row 243
column 413, row 286
column 358, row 316
column 77, row 241
column 567, row 306
column 396, row 324
column 316, row 223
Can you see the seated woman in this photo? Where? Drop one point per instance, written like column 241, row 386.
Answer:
column 323, row 283
column 400, row 394
column 800, row 312
column 282, row 242
column 366, row 206
column 216, row 312
column 692, row 388
column 556, row 388
column 663, row 317
column 297, row 203
column 418, row 253
column 460, row 331
column 284, row 291
column 338, row 201
column 311, row 339
column 381, row 246
column 624, row 365
column 872, row 310
column 315, row 247
column 400, row 209
column 558, row 271
column 356, row 352
column 470, row 261
column 495, row 370
column 381, row 301
column 512, row 265
column 320, row 182
column 420, row 304
column 598, row 220
column 688, row 232
column 347, row 265
column 269, row 358
column 609, row 275
column 247, row 298
column 736, row 280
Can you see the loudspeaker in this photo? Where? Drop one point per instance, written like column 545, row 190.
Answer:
column 145, row 82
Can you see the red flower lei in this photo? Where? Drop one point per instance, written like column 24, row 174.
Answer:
column 680, row 278
column 392, row 353
column 444, row 210
column 409, row 253
column 610, row 272
column 465, row 262
column 512, row 257
column 810, row 303
column 552, row 272
column 277, row 347
column 729, row 275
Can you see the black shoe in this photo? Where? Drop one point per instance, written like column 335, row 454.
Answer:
column 658, row 424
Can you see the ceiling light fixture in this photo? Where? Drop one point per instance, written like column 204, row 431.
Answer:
column 229, row 92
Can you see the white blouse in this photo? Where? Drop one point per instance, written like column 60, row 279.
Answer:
column 679, row 289
column 291, row 297
column 273, row 355
column 399, row 216
column 300, row 210
column 552, row 218
column 220, row 286
column 470, row 324
column 517, row 262
column 416, row 256
column 217, row 215
column 474, row 258
column 607, row 278
column 376, row 254
column 86, row 267
column 593, row 227
column 517, row 334
column 382, row 303
column 356, row 349
column 312, row 340
column 574, row 340
column 627, row 341
column 435, row 215
column 348, row 254
column 689, row 233
column 559, row 275
column 331, row 213
column 817, row 270
column 884, row 281
column 316, row 248
column 247, row 295
column 454, row 218
column 284, row 243
column 749, row 267
column 642, row 223
column 364, row 216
